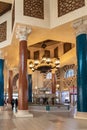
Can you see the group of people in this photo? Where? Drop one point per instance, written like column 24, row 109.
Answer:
column 14, row 104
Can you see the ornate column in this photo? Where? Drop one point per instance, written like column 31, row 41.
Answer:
column 10, row 87
column 81, row 48
column 22, row 34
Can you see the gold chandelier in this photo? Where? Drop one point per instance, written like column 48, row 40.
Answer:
column 45, row 63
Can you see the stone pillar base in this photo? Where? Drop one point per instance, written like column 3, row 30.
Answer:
column 80, row 115
column 23, row 113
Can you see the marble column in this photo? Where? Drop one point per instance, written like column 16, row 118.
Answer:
column 22, row 34
column 1, row 83
column 10, row 87
column 81, row 48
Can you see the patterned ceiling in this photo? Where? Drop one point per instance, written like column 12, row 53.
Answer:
column 4, row 7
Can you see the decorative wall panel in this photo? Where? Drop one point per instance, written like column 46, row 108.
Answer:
column 3, row 30
column 34, row 8
column 71, row 81
column 66, row 6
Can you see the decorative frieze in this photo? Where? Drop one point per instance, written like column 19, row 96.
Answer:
column 34, row 8
column 3, row 31
column 66, row 6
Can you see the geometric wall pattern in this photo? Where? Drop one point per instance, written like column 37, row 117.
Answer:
column 34, row 8
column 3, row 31
column 66, row 6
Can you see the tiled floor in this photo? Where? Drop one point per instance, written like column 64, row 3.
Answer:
column 41, row 121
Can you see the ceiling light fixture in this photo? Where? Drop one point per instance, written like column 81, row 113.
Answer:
column 45, row 64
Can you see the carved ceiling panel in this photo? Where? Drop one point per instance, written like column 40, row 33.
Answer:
column 66, row 6
column 34, row 8
column 4, row 7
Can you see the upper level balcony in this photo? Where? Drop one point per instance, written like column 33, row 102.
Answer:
column 46, row 17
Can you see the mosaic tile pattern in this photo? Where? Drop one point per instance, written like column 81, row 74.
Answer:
column 34, row 8
column 66, row 6
column 3, row 30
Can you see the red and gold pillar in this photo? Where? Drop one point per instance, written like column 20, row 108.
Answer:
column 53, row 83
column 10, row 87
column 22, row 35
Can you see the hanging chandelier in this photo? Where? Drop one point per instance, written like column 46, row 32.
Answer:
column 45, row 63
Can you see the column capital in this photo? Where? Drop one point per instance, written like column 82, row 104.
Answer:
column 22, row 32
column 80, row 26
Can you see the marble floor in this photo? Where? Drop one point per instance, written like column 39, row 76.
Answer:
column 41, row 121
